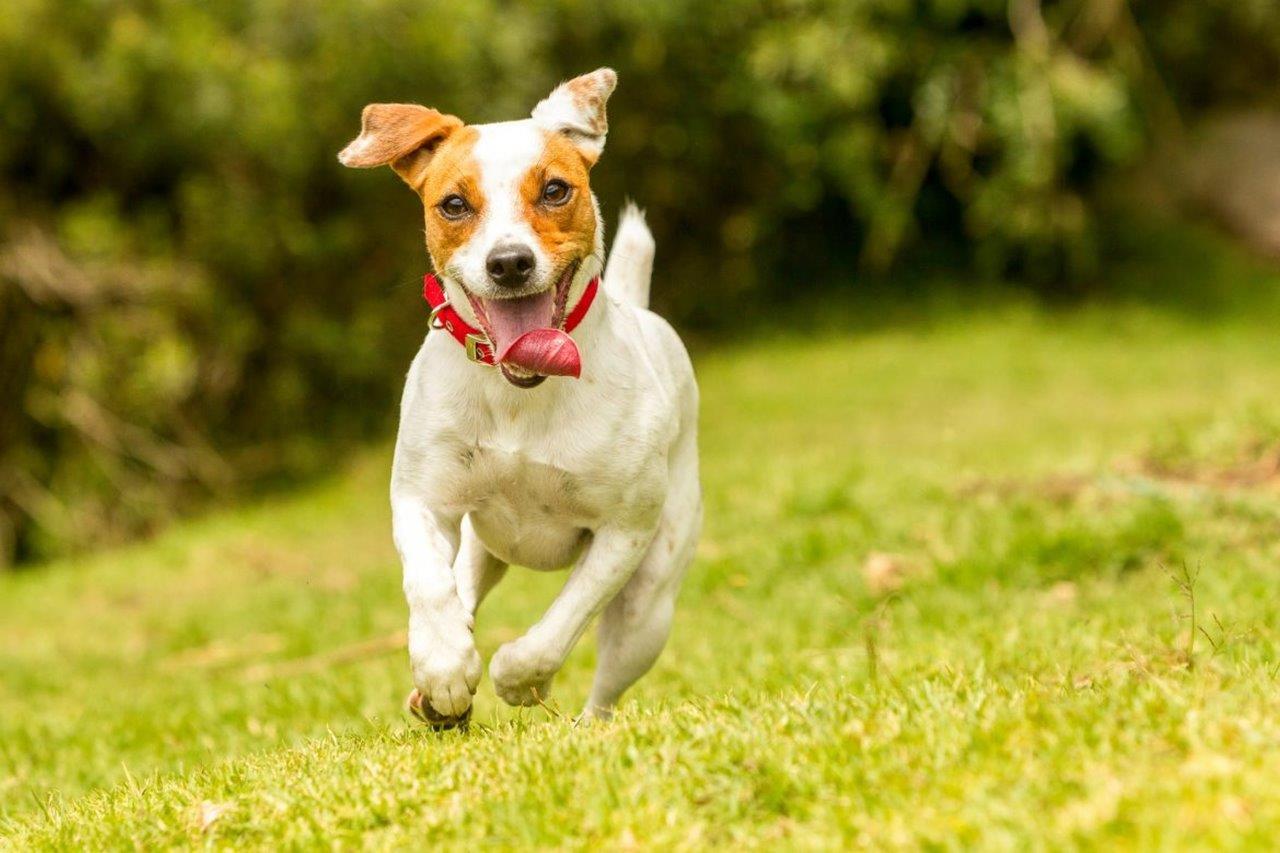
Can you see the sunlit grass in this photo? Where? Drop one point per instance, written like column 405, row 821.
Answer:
column 1041, row 487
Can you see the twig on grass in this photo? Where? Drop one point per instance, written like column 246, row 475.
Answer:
column 334, row 657
column 1218, row 644
column 1186, row 582
column 552, row 712
column 873, row 670
column 871, row 640
column 43, row 804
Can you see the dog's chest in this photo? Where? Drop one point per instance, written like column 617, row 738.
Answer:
column 528, row 510
column 535, row 494
column 537, row 474
column 489, row 476
column 577, row 458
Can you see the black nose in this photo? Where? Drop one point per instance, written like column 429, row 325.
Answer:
column 510, row 265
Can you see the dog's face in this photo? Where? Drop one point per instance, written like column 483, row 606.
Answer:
column 510, row 218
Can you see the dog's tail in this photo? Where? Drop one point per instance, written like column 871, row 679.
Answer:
column 626, row 278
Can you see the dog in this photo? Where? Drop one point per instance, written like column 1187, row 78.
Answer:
column 548, row 421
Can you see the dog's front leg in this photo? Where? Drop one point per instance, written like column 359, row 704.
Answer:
column 522, row 669
column 442, row 652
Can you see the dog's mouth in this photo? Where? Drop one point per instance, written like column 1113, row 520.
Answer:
column 527, row 333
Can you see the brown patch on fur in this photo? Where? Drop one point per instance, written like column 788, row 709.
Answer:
column 452, row 170
column 567, row 232
column 577, row 109
column 402, row 135
column 589, row 93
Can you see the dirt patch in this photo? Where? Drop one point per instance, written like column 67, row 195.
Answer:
column 224, row 653
column 885, row 573
column 1054, row 488
column 358, row 651
column 1254, row 466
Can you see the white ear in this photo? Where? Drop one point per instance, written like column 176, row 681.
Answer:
column 576, row 109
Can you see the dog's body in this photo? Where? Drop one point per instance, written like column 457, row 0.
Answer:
column 494, row 466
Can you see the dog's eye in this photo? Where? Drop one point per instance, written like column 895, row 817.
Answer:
column 555, row 192
column 454, row 207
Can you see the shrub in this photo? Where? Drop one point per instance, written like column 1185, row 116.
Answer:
column 195, row 294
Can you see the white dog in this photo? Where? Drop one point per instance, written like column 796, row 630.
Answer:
column 596, row 469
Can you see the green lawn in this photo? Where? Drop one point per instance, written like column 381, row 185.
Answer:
column 1017, row 667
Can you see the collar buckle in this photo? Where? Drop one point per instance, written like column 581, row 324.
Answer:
column 474, row 353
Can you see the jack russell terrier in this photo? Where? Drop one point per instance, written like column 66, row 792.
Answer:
column 595, row 469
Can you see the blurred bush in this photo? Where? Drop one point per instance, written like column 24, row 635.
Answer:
column 195, row 295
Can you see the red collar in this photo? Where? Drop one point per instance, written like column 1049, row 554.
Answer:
column 443, row 316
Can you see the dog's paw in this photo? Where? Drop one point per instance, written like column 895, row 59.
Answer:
column 593, row 714
column 521, row 676
column 446, row 675
column 423, row 711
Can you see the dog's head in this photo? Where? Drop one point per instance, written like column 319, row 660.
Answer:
column 512, row 225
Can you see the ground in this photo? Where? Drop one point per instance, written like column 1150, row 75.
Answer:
column 999, row 574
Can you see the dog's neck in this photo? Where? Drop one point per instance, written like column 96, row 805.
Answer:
column 587, row 329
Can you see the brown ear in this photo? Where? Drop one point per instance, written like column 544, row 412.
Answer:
column 401, row 135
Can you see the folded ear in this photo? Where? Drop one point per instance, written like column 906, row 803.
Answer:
column 576, row 109
column 402, row 135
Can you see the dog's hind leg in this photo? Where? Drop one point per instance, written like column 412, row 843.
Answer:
column 475, row 570
column 635, row 626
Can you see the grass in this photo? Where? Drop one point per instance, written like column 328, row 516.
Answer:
column 944, row 598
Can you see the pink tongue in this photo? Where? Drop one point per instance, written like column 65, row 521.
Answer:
column 524, row 337
column 547, row 351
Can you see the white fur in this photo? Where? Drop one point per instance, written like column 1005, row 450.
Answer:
column 505, row 152
column 631, row 261
column 580, row 113
column 598, row 473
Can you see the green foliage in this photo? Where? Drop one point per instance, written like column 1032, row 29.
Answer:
column 194, row 293
column 1214, row 51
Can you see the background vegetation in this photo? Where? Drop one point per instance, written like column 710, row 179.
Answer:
column 196, row 297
